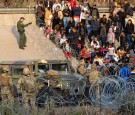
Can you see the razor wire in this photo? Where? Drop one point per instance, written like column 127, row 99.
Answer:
column 110, row 93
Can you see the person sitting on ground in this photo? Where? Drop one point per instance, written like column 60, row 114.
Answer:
column 97, row 59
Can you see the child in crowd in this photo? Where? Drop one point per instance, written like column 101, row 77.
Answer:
column 48, row 31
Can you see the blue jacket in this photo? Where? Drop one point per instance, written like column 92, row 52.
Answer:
column 124, row 72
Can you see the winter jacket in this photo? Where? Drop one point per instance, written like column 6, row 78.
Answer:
column 68, row 11
column 129, row 28
column 76, row 11
column 95, row 25
column 95, row 12
column 111, row 35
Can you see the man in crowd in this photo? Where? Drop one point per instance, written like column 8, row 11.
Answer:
column 21, row 30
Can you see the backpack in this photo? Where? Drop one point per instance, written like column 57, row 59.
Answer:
column 124, row 72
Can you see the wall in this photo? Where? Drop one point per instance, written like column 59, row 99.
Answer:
column 11, row 19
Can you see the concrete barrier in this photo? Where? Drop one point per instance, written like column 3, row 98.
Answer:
column 11, row 19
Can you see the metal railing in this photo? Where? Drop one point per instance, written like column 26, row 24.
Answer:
column 28, row 10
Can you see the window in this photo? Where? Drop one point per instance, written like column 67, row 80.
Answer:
column 17, row 71
column 60, row 67
column 43, row 68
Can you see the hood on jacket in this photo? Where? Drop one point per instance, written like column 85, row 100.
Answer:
column 110, row 30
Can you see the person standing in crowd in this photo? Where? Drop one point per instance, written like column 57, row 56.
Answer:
column 66, row 3
column 129, row 30
column 121, row 16
column 70, row 24
column 95, row 27
column 48, row 17
column 111, row 52
column 95, row 12
column 55, row 5
column 103, row 19
column 66, row 15
column 74, row 39
column 21, row 30
column 41, row 12
column 103, row 34
column 6, row 85
column 126, row 6
column 76, row 12
column 128, row 18
column 123, row 39
column 110, row 36
column 48, row 4
column 83, row 16
column 57, row 17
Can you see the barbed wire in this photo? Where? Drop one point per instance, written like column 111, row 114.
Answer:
column 111, row 93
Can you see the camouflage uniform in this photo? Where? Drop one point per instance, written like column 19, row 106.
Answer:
column 27, row 87
column 53, row 77
column 21, row 30
column 6, row 86
column 94, row 75
column 82, row 69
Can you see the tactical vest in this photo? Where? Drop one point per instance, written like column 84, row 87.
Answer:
column 29, row 85
column 4, row 80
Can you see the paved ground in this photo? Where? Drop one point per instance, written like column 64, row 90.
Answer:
column 38, row 47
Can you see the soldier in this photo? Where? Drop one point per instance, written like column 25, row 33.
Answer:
column 82, row 69
column 21, row 30
column 94, row 75
column 27, row 88
column 6, row 85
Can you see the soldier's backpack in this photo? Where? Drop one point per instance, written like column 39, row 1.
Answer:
column 29, row 85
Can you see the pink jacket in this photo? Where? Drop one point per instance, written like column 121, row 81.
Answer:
column 111, row 35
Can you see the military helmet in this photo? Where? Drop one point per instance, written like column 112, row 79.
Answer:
column 26, row 71
column 5, row 69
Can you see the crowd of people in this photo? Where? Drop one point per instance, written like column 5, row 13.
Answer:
column 76, row 26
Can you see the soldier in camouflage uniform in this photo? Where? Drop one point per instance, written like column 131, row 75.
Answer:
column 21, row 30
column 93, row 76
column 82, row 69
column 27, row 88
column 6, row 85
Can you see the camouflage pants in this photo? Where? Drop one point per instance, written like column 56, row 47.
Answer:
column 6, row 95
column 29, row 100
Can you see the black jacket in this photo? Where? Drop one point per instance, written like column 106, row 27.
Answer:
column 70, row 24
column 68, row 11
column 50, row 4
column 122, row 40
column 121, row 16
column 129, row 28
